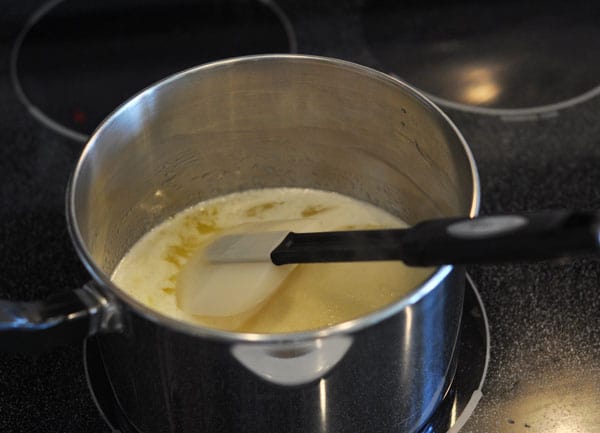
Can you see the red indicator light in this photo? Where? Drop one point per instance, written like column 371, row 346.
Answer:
column 79, row 116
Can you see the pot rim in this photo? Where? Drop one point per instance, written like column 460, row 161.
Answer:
column 198, row 330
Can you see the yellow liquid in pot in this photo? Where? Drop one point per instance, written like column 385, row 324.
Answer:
column 312, row 296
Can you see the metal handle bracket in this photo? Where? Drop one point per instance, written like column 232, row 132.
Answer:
column 37, row 326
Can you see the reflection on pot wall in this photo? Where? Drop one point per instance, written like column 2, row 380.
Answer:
column 293, row 363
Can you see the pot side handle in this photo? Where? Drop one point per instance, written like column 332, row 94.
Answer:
column 36, row 326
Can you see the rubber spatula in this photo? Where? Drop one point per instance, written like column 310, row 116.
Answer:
column 226, row 289
column 481, row 240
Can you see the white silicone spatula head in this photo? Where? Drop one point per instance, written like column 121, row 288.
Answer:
column 226, row 289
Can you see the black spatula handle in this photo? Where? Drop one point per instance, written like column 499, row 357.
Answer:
column 486, row 239
column 502, row 238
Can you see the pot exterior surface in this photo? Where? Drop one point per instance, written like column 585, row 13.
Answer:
column 273, row 121
column 390, row 379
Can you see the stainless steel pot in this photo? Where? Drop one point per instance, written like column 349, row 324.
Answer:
column 259, row 122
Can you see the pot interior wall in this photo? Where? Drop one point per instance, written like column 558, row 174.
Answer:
column 266, row 122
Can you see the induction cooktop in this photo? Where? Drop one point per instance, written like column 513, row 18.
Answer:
column 519, row 79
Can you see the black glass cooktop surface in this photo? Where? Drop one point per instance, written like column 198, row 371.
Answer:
column 494, row 55
column 67, row 44
column 544, row 318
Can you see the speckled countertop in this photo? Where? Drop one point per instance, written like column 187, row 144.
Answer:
column 544, row 374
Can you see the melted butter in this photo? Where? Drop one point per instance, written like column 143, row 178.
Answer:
column 310, row 211
column 313, row 295
column 262, row 208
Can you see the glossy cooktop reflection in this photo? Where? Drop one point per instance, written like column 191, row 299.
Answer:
column 500, row 55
